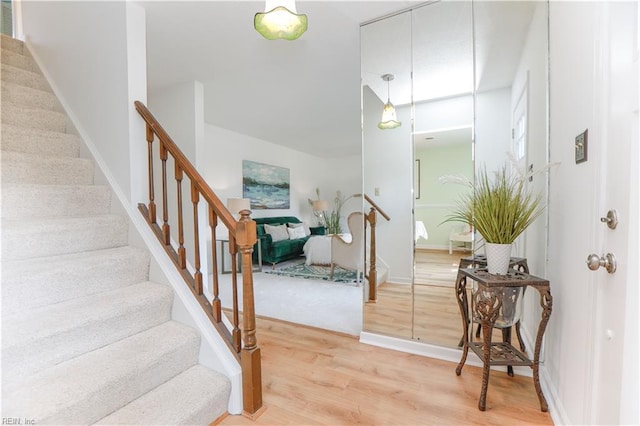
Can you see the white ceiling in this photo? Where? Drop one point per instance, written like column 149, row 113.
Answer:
column 303, row 94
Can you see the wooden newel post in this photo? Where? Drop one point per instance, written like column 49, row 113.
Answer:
column 373, row 272
column 246, row 237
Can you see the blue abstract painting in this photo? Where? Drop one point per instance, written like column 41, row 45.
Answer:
column 266, row 186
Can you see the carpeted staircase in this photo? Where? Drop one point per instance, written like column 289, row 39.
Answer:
column 86, row 337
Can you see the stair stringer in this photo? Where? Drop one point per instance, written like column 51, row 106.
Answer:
column 214, row 352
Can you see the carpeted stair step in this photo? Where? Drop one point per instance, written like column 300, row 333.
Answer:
column 28, row 97
column 34, row 118
column 35, row 169
column 85, row 389
column 22, row 77
column 203, row 391
column 39, row 142
column 12, row 44
column 26, row 239
column 18, row 60
column 37, row 339
column 29, row 285
column 31, row 201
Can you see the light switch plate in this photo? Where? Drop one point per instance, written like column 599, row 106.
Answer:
column 581, row 146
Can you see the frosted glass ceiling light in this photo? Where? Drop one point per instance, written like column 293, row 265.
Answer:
column 280, row 20
column 389, row 119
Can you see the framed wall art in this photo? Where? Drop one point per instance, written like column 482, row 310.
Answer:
column 266, row 186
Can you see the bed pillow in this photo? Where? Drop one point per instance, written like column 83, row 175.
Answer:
column 277, row 232
column 304, row 226
column 296, row 233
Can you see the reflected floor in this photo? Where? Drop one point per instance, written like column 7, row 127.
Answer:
column 437, row 316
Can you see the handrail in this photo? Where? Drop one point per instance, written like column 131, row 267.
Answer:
column 242, row 238
column 372, row 219
column 188, row 168
column 375, row 206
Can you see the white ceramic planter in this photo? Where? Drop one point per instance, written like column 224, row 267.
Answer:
column 498, row 257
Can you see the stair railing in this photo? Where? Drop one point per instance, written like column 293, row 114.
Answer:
column 242, row 237
column 371, row 218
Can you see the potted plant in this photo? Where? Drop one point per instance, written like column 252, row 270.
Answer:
column 500, row 209
column 331, row 220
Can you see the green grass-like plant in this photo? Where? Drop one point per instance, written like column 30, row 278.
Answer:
column 499, row 209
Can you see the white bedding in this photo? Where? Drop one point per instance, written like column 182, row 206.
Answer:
column 317, row 249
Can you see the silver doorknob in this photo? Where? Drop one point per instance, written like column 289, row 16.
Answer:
column 607, row 261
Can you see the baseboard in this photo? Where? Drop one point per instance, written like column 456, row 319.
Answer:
column 432, row 351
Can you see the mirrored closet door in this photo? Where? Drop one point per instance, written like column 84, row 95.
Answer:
column 469, row 87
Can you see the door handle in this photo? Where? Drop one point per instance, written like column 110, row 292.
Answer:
column 607, row 261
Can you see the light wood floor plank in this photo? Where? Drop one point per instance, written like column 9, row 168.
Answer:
column 313, row 376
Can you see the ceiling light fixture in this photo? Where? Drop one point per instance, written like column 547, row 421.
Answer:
column 280, row 20
column 389, row 119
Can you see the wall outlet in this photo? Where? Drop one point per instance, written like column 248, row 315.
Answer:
column 581, row 146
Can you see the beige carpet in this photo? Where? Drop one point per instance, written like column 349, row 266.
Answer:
column 317, row 303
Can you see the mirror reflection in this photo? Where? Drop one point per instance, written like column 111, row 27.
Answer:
column 470, row 87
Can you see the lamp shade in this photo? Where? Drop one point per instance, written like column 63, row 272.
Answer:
column 320, row 205
column 280, row 21
column 389, row 118
column 236, row 205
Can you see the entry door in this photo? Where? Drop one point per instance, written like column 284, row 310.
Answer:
column 614, row 387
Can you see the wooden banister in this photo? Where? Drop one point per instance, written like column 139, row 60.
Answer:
column 242, row 238
column 375, row 206
column 155, row 128
column 371, row 218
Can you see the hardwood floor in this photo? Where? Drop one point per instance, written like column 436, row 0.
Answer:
column 313, row 376
column 432, row 299
column 436, row 267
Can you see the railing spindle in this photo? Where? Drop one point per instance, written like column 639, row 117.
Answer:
column 233, row 250
column 197, row 276
column 216, row 307
column 152, row 203
column 182, row 254
column 166, row 229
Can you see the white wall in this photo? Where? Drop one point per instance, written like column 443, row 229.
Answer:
column 444, row 114
column 492, row 128
column 103, row 42
column 387, row 159
column 533, row 71
column 221, row 166
column 176, row 107
column 180, row 110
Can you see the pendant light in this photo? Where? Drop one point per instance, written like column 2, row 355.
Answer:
column 389, row 119
column 280, row 20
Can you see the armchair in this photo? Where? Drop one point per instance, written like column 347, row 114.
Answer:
column 349, row 255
